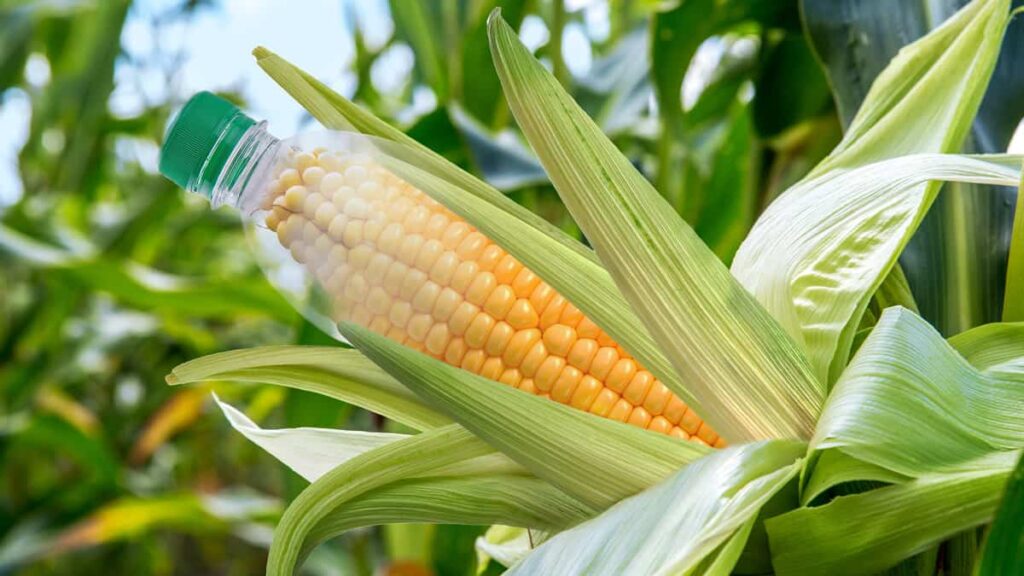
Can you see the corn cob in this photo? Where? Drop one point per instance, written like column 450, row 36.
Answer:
column 398, row 262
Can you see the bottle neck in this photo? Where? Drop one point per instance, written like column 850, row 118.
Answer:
column 244, row 166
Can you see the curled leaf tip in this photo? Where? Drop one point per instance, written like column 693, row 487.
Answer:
column 261, row 52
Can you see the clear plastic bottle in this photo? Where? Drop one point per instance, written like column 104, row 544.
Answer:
column 347, row 240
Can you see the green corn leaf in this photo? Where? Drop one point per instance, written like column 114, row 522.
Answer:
column 1013, row 303
column 344, row 375
column 672, row 527
column 1003, row 552
column 923, row 101
column 819, row 252
column 834, row 467
column 449, row 451
column 506, row 499
column 996, row 349
column 870, row 532
column 907, row 377
column 596, row 460
column 749, row 378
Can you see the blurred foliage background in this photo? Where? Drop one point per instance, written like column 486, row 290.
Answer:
column 111, row 276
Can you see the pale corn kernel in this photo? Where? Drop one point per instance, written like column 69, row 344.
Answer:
column 462, row 317
column 336, row 230
column 436, row 226
column 287, row 178
column 548, row 372
column 372, row 229
column 400, row 314
column 418, row 326
column 325, row 214
column 511, row 376
column 499, row 339
column 478, row 331
column 380, row 325
column 521, row 343
column 500, row 302
column 480, row 288
column 464, row 274
column 304, row 160
column 390, row 239
column 353, row 235
column 426, row 297
column 444, row 268
column 357, row 208
column 312, row 202
column 298, row 250
column 437, row 339
column 310, row 233
column 410, row 247
column 525, row 282
column 331, row 183
column 446, row 304
column 295, row 198
column 582, row 354
column 472, row 246
column 411, row 284
column 586, row 393
column 416, row 220
column 565, row 385
column 559, row 339
column 492, row 368
column 397, row 334
column 473, row 361
column 377, row 269
column 356, row 288
column 428, row 254
column 660, row 425
column 455, row 350
column 361, row 316
column 368, row 189
column 354, row 175
column 657, row 398
column 394, row 277
column 620, row 410
column 359, row 257
column 603, row 362
column 490, row 257
column 454, row 235
column 378, row 301
column 624, row 379
column 533, row 359
column 313, row 175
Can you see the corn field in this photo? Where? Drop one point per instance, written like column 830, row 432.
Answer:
column 518, row 287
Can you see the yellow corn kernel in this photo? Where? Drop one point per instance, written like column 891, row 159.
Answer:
column 392, row 259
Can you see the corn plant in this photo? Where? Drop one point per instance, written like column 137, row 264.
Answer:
column 859, row 441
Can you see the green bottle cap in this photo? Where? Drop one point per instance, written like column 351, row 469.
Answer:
column 200, row 140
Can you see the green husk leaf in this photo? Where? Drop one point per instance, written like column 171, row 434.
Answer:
column 596, row 460
column 869, row 532
column 1003, row 551
column 338, row 373
column 820, row 251
column 996, row 349
column 907, row 377
column 480, row 500
column 672, row 527
column 449, row 451
column 748, row 377
column 923, row 101
column 310, row 452
column 834, row 467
